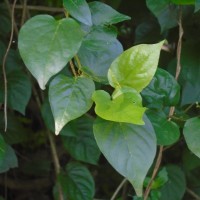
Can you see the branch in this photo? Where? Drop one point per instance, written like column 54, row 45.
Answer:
column 25, row 185
column 155, row 171
column 193, row 194
column 4, row 64
column 118, row 189
column 172, row 109
column 40, row 8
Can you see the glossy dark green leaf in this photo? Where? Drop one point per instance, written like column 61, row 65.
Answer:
column 47, row 115
column 125, row 107
column 52, row 44
column 190, row 160
column 184, row 2
column 129, row 148
column 78, row 139
column 16, row 133
column 165, row 11
column 100, row 37
column 167, row 132
column 103, row 14
column 69, row 98
column 197, row 5
column 18, row 92
column 191, row 134
column 96, row 61
column 77, row 183
column 5, row 25
column 79, row 9
column 8, row 158
column 190, row 73
column 148, row 32
column 163, row 89
column 174, row 189
column 135, row 67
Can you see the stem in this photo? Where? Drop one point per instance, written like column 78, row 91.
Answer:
column 40, row 8
column 155, row 171
column 118, row 189
column 172, row 109
column 73, row 68
column 4, row 64
column 193, row 194
column 78, row 62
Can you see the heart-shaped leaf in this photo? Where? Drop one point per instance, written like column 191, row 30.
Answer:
column 77, row 183
column 163, row 89
column 134, row 145
column 19, row 90
column 79, row 9
column 192, row 135
column 135, row 67
column 8, row 158
column 46, row 45
column 124, row 107
column 103, row 14
column 78, row 139
column 167, row 132
column 69, row 98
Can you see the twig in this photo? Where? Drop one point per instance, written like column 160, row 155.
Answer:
column 4, row 66
column 73, row 68
column 36, row 184
column 10, row 10
column 118, row 189
column 193, row 194
column 172, row 109
column 179, row 45
column 40, row 8
column 155, row 171
column 24, row 10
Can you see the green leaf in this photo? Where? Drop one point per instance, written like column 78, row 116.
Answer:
column 135, row 67
column 190, row 73
column 174, row 189
column 100, row 37
column 163, row 89
column 165, row 12
column 69, row 98
column 103, row 14
column 197, row 5
column 129, row 148
column 47, row 115
column 124, row 107
column 78, row 139
column 18, row 90
column 79, row 9
column 8, row 158
column 52, row 44
column 167, row 132
column 97, row 60
column 16, row 133
column 184, row 2
column 191, row 134
column 77, row 183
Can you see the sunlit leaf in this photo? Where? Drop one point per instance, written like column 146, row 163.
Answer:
column 125, row 107
column 135, row 67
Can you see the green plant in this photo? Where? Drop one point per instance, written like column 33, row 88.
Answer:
column 89, row 96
